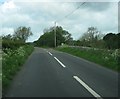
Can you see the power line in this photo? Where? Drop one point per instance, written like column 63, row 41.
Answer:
column 71, row 12
column 62, row 19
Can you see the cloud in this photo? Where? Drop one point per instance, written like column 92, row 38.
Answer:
column 106, row 20
column 97, row 6
column 66, row 0
column 6, row 31
column 8, row 7
column 41, row 15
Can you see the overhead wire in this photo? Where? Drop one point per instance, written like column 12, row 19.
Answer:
column 64, row 18
column 71, row 12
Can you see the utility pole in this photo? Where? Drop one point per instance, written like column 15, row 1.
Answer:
column 55, row 34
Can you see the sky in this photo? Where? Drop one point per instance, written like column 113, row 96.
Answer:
column 41, row 14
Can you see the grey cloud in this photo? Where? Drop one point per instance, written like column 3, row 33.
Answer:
column 95, row 6
column 42, row 15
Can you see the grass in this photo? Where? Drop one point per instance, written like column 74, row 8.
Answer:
column 0, row 67
column 11, row 62
column 106, row 58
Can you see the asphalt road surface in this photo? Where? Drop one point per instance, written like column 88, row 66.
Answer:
column 50, row 73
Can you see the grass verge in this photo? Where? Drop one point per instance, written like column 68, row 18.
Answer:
column 11, row 62
column 106, row 58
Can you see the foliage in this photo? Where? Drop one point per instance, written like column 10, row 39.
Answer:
column 16, row 40
column 94, row 38
column 96, row 44
column 107, row 58
column 47, row 39
column 112, row 41
column 91, row 38
column 92, row 34
column 14, row 53
column 11, row 44
column 11, row 62
column 22, row 33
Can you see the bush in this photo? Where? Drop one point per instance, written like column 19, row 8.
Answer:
column 11, row 62
column 11, row 44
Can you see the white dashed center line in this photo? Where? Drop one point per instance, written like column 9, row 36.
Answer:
column 50, row 53
column 88, row 88
column 79, row 80
column 60, row 62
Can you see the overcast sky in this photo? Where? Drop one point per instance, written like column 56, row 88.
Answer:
column 41, row 15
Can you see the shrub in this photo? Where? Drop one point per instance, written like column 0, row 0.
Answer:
column 11, row 62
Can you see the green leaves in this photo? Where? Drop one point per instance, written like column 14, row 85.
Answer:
column 11, row 62
column 112, row 41
column 47, row 39
column 22, row 33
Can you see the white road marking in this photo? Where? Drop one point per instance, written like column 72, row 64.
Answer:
column 50, row 53
column 87, row 87
column 60, row 62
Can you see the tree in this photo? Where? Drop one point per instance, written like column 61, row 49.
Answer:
column 47, row 39
column 91, row 34
column 112, row 40
column 91, row 37
column 22, row 33
column 9, row 42
column 7, row 37
column 118, row 36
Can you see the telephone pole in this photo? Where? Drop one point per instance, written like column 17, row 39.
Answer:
column 55, row 34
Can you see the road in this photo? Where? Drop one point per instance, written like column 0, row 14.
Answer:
column 50, row 73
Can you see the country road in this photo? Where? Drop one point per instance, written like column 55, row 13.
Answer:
column 50, row 73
